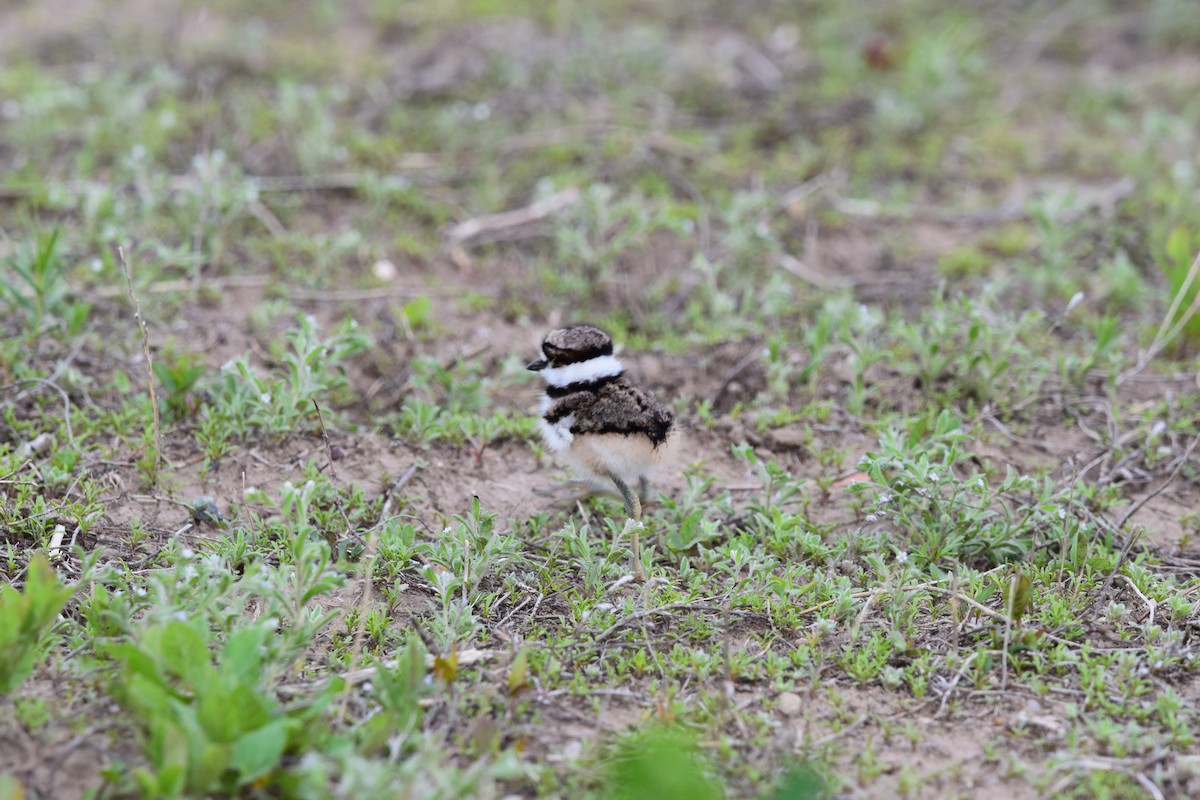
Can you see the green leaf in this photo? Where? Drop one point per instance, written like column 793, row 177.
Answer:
column 209, row 766
column 144, row 693
column 168, row 751
column 227, row 716
column 258, row 752
column 25, row 617
column 1179, row 248
column 242, row 655
column 518, row 673
column 418, row 311
column 1018, row 595
column 185, row 653
column 659, row 762
column 801, row 782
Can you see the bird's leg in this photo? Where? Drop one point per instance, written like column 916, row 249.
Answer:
column 643, row 489
column 633, row 513
column 633, row 506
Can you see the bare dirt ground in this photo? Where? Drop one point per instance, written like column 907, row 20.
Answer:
column 968, row 736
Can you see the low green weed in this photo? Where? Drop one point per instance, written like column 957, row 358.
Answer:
column 281, row 401
column 445, row 402
column 25, row 617
column 1178, row 263
column 178, row 377
column 209, row 721
column 941, row 506
column 34, row 286
column 659, row 761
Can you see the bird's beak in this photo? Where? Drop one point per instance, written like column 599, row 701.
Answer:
column 538, row 365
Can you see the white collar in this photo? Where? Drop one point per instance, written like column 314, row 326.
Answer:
column 583, row 371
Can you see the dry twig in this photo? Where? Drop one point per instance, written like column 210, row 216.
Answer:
column 137, row 315
column 498, row 227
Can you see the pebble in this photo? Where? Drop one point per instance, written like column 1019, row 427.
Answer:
column 789, row 704
column 205, row 510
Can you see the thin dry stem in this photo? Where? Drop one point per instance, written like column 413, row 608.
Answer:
column 1168, row 330
column 137, row 315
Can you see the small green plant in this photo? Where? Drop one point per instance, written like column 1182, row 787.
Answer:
column 209, row 723
column 1103, row 354
column 604, row 227
column 659, row 761
column 34, row 285
column 24, row 619
column 804, row 781
column 399, row 689
column 277, row 403
column 942, row 513
column 177, row 378
column 959, row 354
column 416, row 315
column 1179, row 263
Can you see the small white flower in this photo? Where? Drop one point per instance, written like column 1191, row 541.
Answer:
column 265, row 397
column 902, row 557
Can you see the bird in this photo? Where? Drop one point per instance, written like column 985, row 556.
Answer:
column 597, row 422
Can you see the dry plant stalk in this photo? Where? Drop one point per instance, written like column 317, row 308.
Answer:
column 137, row 315
column 1168, row 330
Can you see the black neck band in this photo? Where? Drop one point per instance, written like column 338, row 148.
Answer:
column 555, row 392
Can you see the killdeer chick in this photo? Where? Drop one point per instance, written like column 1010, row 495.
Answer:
column 598, row 423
